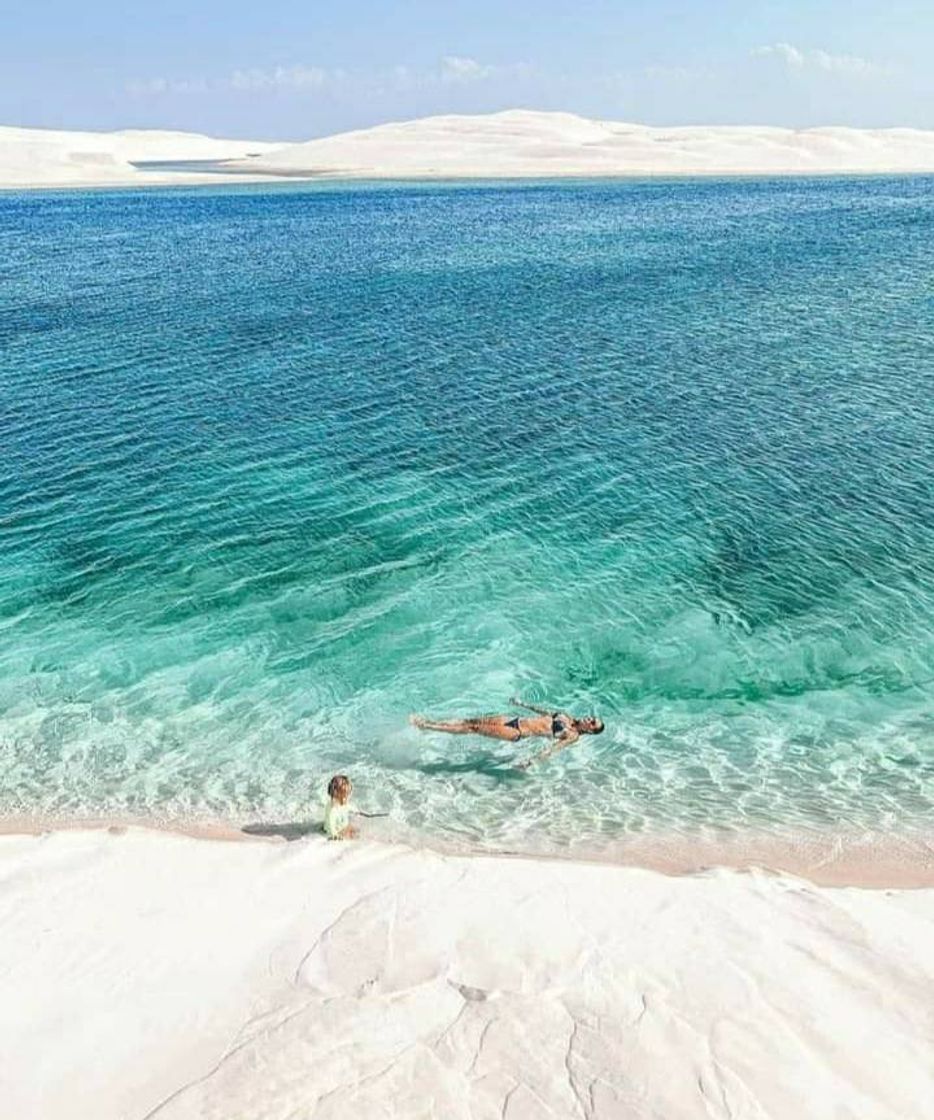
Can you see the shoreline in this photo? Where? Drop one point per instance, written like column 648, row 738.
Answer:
column 227, row 178
column 861, row 861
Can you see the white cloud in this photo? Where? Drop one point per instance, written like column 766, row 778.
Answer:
column 296, row 78
column 797, row 59
column 455, row 68
column 790, row 55
column 674, row 73
column 450, row 70
column 845, row 63
column 282, row 77
column 156, row 86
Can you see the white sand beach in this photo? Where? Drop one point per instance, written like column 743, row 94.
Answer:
column 35, row 157
column 155, row 975
column 524, row 144
column 512, row 144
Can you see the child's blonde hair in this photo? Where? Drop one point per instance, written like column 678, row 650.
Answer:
column 339, row 788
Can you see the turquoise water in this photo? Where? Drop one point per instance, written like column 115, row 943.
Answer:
column 284, row 464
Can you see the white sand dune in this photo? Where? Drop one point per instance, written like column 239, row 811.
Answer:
column 154, row 975
column 522, row 143
column 513, row 144
column 34, row 157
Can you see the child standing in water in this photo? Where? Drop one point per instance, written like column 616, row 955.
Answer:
column 337, row 815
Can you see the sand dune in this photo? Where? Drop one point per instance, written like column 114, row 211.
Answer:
column 34, row 157
column 154, row 975
column 522, row 143
column 513, row 144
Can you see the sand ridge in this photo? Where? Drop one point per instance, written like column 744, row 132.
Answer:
column 523, row 143
column 516, row 143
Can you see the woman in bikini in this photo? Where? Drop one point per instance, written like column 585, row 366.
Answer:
column 562, row 728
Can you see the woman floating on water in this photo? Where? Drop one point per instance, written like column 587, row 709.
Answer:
column 564, row 729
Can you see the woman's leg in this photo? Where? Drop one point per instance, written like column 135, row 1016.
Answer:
column 493, row 727
column 452, row 727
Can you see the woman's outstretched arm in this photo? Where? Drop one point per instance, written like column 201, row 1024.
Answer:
column 531, row 707
column 568, row 738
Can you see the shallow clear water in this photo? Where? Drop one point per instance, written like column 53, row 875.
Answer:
column 283, row 464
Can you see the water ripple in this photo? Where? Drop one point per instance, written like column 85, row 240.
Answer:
column 659, row 450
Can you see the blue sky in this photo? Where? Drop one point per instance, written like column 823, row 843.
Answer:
column 292, row 70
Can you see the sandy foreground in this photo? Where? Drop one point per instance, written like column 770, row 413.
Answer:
column 149, row 974
column 512, row 144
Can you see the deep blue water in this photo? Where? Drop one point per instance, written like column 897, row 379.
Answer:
column 283, row 464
